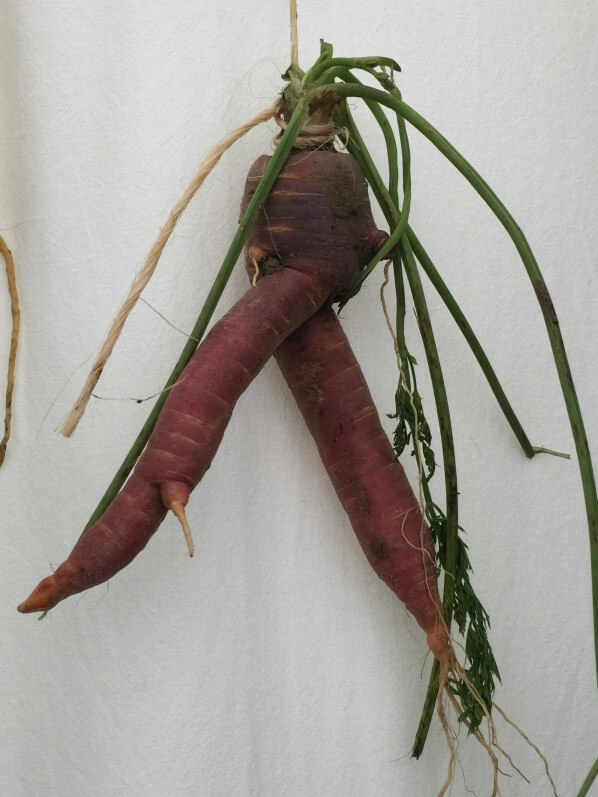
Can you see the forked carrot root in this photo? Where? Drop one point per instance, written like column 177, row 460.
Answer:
column 324, row 192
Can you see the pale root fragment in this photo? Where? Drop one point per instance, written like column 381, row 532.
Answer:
column 177, row 508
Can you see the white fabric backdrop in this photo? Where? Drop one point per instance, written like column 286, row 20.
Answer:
column 274, row 661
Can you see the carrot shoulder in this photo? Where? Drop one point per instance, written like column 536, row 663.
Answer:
column 333, row 397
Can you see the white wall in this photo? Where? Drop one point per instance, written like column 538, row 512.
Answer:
column 274, row 661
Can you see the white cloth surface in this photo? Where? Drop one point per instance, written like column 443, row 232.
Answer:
column 275, row 662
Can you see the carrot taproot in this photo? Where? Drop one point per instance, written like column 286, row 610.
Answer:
column 319, row 213
column 328, row 385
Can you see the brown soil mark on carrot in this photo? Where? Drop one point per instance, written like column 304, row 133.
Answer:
column 378, row 548
column 270, row 265
column 342, row 202
column 339, row 431
column 362, row 496
column 306, row 377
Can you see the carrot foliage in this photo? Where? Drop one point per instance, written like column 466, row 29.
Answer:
column 470, row 617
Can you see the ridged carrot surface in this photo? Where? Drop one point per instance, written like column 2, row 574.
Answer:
column 330, row 390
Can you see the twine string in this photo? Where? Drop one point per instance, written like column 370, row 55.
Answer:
column 313, row 134
column 294, row 36
column 14, row 343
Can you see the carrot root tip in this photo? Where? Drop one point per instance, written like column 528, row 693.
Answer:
column 440, row 644
column 44, row 596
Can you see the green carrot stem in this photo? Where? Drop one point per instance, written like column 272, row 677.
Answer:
column 591, row 777
column 271, row 172
column 446, row 431
column 360, row 152
column 441, row 286
column 438, row 385
column 544, row 300
column 450, row 476
column 437, row 377
column 453, row 547
column 325, row 63
column 385, row 199
column 403, row 214
column 391, row 210
column 405, row 258
column 400, row 311
column 393, row 192
column 429, row 706
column 471, row 338
column 450, row 469
column 484, row 668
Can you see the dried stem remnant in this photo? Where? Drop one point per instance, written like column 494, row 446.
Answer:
column 14, row 342
column 294, row 36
